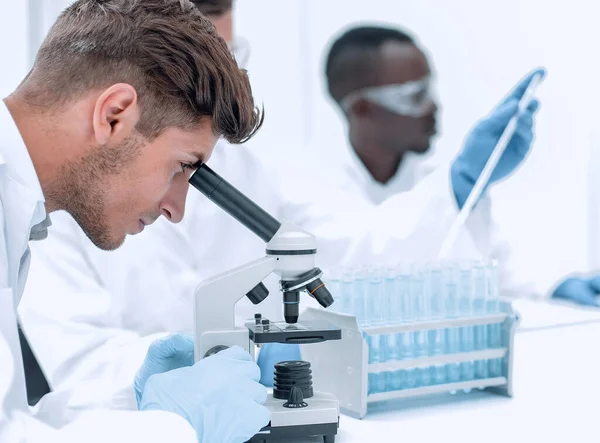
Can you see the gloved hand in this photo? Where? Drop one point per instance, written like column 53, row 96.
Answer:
column 220, row 396
column 480, row 143
column 172, row 352
column 581, row 290
column 271, row 354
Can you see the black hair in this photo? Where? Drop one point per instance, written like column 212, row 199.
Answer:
column 352, row 59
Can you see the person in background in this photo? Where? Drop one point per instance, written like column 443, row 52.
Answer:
column 108, row 125
column 382, row 81
column 118, row 303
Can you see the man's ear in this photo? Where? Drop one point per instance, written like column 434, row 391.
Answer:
column 116, row 114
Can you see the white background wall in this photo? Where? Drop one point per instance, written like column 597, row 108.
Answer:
column 13, row 45
column 478, row 50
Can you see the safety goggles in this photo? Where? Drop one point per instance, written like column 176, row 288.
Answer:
column 411, row 98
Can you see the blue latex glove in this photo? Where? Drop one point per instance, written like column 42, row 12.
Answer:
column 172, row 352
column 583, row 291
column 480, row 143
column 220, row 396
column 272, row 353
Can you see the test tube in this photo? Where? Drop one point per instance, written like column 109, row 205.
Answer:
column 418, row 297
column 406, row 378
column 467, row 333
column 377, row 381
column 393, row 379
column 436, row 336
column 479, row 308
column 393, row 316
column 391, row 295
column 375, row 304
column 452, row 335
column 376, row 312
column 358, row 296
column 493, row 306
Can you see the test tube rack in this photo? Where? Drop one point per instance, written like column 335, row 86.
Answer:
column 342, row 366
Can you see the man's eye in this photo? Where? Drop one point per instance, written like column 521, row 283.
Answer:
column 187, row 166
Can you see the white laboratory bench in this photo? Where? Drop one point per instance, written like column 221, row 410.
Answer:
column 544, row 314
column 556, row 396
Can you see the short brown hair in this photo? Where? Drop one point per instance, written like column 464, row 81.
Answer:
column 166, row 49
column 213, row 7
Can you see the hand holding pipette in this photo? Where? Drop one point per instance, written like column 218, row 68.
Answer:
column 509, row 130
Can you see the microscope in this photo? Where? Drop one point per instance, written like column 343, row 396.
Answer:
column 296, row 409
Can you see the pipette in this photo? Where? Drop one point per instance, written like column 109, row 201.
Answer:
column 485, row 175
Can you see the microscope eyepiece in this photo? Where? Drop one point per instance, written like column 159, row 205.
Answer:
column 236, row 204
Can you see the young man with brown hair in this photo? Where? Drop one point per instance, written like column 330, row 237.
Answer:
column 124, row 98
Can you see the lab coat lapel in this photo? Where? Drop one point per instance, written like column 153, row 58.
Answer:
column 12, row 378
column 18, row 228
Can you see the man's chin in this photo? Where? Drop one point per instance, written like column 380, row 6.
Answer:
column 106, row 242
column 421, row 149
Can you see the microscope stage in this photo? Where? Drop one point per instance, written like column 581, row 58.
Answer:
column 298, row 333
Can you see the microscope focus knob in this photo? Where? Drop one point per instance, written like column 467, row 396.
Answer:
column 296, row 399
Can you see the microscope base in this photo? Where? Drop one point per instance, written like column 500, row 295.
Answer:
column 319, row 419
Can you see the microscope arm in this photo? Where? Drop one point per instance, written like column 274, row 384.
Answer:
column 215, row 300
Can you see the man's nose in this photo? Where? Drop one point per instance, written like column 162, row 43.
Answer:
column 432, row 107
column 173, row 205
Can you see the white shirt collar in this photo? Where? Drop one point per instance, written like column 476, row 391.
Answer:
column 20, row 170
column 412, row 169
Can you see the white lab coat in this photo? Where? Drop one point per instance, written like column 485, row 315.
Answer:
column 107, row 307
column 355, row 177
column 23, row 217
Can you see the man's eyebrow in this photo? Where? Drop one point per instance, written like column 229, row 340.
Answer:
column 201, row 158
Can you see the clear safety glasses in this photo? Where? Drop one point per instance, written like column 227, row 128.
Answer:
column 411, row 98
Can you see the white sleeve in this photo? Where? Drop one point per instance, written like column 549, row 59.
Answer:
column 406, row 227
column 74, row 328
column 101, row 426
column 19, row 425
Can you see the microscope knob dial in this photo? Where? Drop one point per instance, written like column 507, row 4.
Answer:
column 296, row 399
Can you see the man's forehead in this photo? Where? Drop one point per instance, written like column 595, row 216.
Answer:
column 401, row 62
column 195, row 141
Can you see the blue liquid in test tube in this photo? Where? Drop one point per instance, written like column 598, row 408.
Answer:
column 404, row 340
column 467, row 333
column 452, row 335
column 479, row 308
column 419, row 298
column 436, row 336
column 376, row 314
column 495, row 330
column 393, row 316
